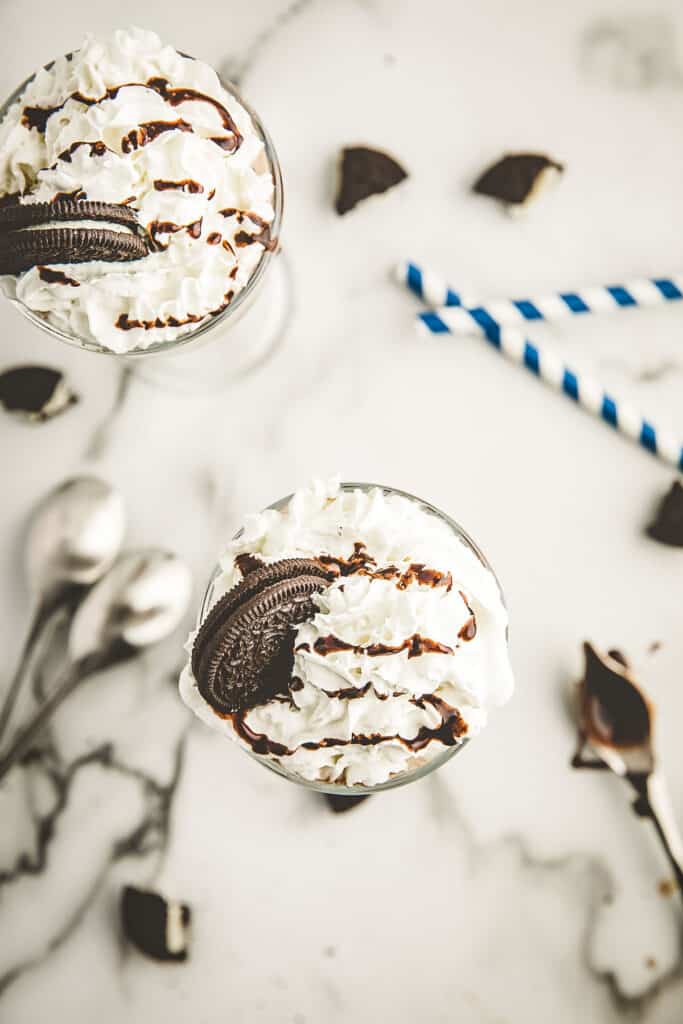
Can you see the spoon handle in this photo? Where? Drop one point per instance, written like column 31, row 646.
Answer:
column 656, row 805
column 46, row 608
column 76, row 673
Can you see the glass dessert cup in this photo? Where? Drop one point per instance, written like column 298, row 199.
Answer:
column 420, row 770
column 220, row 348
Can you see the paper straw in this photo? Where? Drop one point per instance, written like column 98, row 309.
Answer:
column 435, row 291
column 428, row 286
column 581, row 389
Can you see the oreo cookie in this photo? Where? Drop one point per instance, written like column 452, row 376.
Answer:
column 365, row 172
column 36, row 393
column 157, row 927
column 243, row 653
column 517, row 178
column 33, row 234
column 667, row 527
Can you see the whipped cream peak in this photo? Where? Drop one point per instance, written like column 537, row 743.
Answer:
column 128, row 120
column 407, row 649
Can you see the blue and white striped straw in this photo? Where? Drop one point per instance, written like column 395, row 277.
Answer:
column 581, row 389
column 436, row 292
column 427, row 285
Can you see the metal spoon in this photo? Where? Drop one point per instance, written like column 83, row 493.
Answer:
column 140, row 601
column 74, row 536
column 616, row 723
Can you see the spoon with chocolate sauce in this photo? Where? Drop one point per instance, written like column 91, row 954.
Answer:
column 74, row 536
column 616, row 725
column 139, row 602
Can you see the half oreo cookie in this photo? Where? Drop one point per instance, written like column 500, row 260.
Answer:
column 35, row 234
column 243, row 653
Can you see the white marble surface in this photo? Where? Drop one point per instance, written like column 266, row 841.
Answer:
column 505, row 887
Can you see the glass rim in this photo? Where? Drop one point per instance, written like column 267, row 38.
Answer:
column 411, row 775
column 209, row 322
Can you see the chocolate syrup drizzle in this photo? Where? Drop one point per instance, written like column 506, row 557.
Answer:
column 37, row 117
column 169, row 227
column 96, row 149
column 243, row 238
column 188, row 185
column 448, row 732
column 148, row 131
column 360, row 564
column 415, row 645
column 124, row 323
column 56, row 277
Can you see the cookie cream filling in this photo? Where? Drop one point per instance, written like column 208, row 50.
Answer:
column 406, row 653
column 128, row 120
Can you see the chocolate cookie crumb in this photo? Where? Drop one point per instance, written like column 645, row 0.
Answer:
column 339, row 803
column 157, row 927
column 517, row 178
column 36, row 393
column 365, row 172
column 667, row 527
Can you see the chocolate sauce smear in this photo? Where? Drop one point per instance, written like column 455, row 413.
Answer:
column 469, row 630
column 415, row 645
column 613, row 710
column 37, row 117
column 56, row 277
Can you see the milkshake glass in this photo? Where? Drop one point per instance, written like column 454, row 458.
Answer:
column 394, row 664
column 130, row 122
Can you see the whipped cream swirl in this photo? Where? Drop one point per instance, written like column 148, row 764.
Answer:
column 407, row 650
column 129, row 120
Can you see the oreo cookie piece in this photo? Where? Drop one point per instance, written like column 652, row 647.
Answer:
column 365, row 172
column 243, row 653
column 339, row 803
column 667, row 527
column 36, row 393
column 33, row 234
column 157, row 927
column 517, row 178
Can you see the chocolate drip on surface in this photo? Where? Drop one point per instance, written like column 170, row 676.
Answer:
column 188, row 185
column 214, row 238
column 37, row 117
column 56, row 277
column 415, row 645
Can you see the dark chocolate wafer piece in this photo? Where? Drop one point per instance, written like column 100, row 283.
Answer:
column 21, row 250
column 667, row 528
column 516, row 178
column 157, row 927
column 24, row 215
column 243, row 653
column 365, row 172
column 36, row 393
